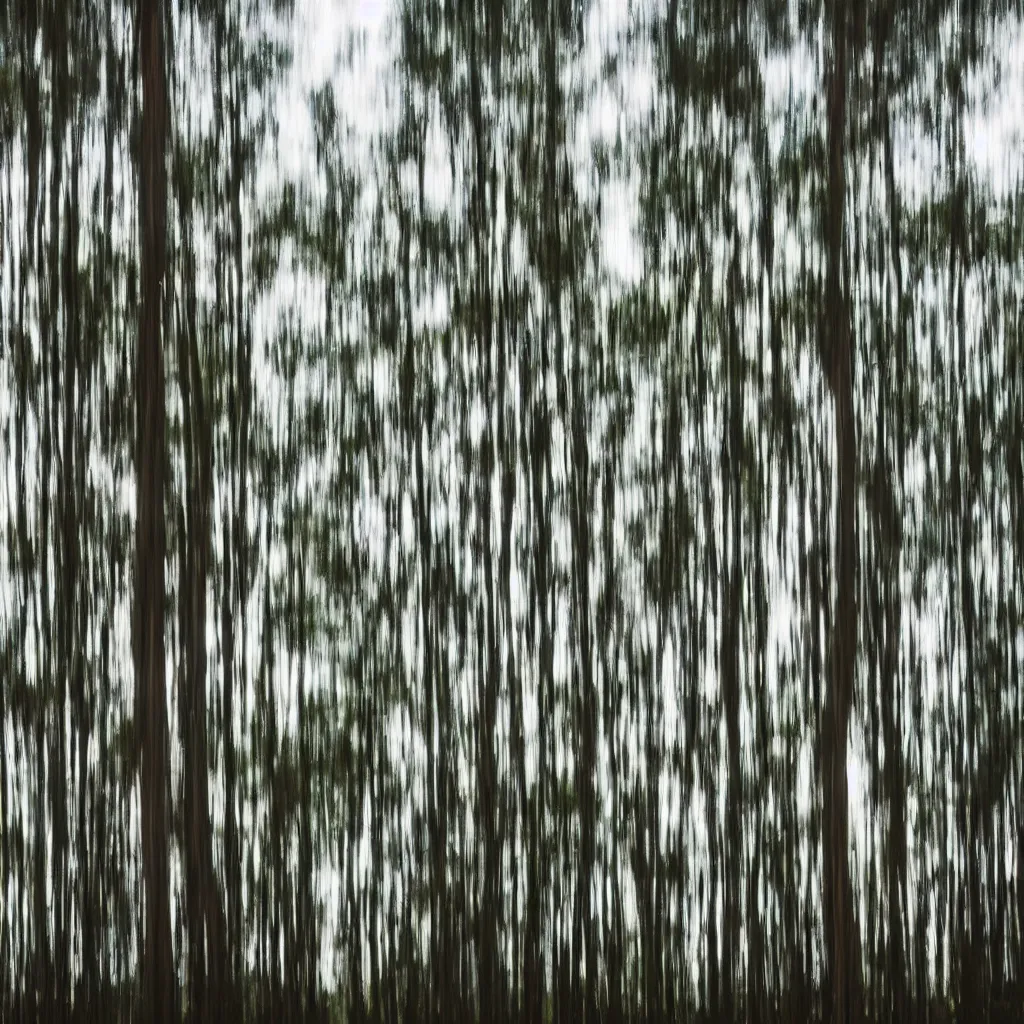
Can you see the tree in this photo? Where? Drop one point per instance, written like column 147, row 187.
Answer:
column 593, row 487
column 160, row 996
column 842, row 940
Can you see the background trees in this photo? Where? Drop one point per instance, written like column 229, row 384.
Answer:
column 591, row 500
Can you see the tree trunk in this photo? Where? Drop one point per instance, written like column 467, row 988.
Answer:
column 842, row 934
column 209, row 997
column 159, row 996
column 731, row 640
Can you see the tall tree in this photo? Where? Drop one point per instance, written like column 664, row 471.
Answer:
column 159, row 983
column 209, row 995
column 842, row 937
column 594, row 486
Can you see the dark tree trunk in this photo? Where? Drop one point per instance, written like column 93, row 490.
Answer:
column 159, row 995
column 842, row 935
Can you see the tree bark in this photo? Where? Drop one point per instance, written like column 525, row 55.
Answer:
column 159, row 995
column 842, row 934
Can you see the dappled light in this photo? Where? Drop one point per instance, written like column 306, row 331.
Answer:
column 512, row 511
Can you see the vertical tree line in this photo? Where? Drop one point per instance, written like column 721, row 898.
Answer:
column 510, row 512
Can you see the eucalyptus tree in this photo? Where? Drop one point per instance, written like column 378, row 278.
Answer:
column 551, row 635
column 160, row 998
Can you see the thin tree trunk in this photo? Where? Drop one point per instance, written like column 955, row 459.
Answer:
column 159, row 995
column 209, row 997
column 891, row 529
column 731, row 640
column 489, row 664
column 842, row 934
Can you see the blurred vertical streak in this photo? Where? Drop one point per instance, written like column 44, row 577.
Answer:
column 159, row 984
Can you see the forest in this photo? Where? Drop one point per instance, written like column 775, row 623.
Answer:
column 512, row 510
